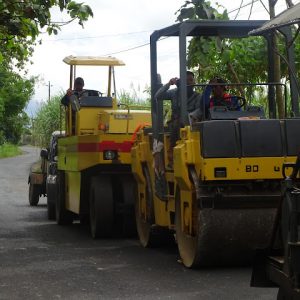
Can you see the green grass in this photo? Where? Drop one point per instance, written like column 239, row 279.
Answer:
column 9, row 150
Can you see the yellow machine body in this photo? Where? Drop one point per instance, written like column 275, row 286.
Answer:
column 94, row 157
column 86, row 150
column 186, row 153
column 196, row 177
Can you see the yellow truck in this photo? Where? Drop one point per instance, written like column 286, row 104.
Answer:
column 94, row 179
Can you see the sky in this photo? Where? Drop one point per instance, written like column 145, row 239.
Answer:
column 121, row 29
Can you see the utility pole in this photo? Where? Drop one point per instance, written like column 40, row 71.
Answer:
column 49, row 91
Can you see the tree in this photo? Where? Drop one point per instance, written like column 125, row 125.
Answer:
column 21, row 22
column 15, row 93
column 213, row 55
column 238, row 60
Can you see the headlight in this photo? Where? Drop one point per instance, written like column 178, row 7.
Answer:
column 220, row 172
column 110, row 154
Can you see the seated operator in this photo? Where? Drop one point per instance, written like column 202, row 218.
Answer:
column 214, row 95
column 219, row 96
column 73, row 97
column 77, row 91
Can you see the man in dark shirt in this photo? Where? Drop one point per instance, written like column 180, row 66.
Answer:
column 78, row 91
column 164, row 93
column 73, row 96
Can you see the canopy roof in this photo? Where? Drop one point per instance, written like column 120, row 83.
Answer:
column 288, row 17
column 93, row 61
column 221, row 28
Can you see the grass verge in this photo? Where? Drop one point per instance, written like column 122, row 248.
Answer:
column 9, row 150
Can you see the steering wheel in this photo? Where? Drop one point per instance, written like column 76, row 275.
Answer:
column 238, row 100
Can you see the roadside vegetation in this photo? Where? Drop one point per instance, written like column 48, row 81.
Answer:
column 9, row 150
column 49, row 117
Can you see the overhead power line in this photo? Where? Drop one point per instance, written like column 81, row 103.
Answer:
column 242, row 6
column 126, row 50
column 98, row 36
column 133, row 48
column 145, row 31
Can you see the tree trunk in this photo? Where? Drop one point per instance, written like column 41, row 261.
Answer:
column 236, row 78
column 277, row 75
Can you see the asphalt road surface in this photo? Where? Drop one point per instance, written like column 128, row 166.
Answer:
column 41, row 260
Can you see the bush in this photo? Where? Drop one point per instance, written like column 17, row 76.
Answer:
column 9, row 150
column 48, row 119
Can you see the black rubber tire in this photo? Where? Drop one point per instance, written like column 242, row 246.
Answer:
column 128, row 195
column 101, row 207
column 63, row 216
column 281, row 294
column 84, row 219
column 34, row 194
column 51, row 199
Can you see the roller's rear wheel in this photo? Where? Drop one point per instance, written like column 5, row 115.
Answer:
column 149, row 234
column 101, row 207
column 187, row 244
column 222, row 236
column 144, row 216
column 143, row 224
column 63, row 216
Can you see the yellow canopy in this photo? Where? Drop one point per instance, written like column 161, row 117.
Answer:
column 93, row 61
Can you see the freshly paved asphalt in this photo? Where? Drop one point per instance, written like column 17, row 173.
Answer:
column 41, row 260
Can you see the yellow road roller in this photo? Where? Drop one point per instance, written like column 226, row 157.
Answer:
column 94, row 179
column 218, row 197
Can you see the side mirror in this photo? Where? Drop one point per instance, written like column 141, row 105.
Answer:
column 44, row 153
